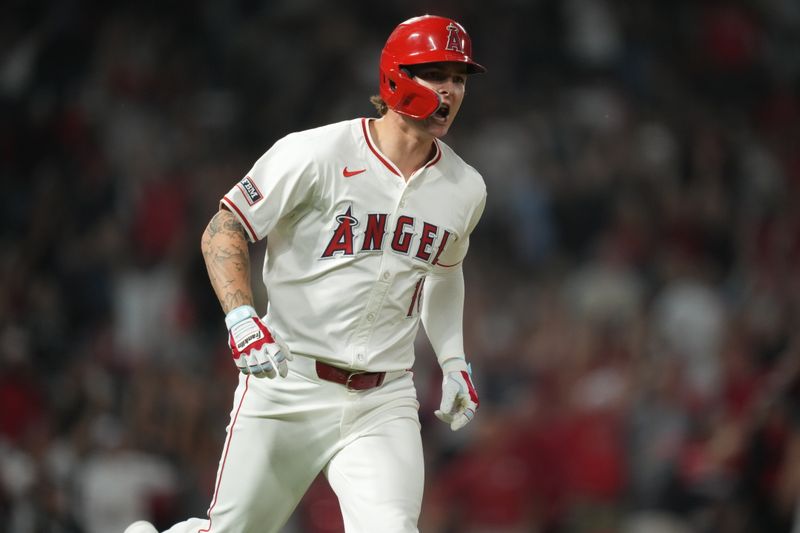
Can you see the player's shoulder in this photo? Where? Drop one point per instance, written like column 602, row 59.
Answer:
column 320, row 139
column 454, row 166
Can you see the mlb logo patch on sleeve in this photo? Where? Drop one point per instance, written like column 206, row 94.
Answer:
column 250, row 191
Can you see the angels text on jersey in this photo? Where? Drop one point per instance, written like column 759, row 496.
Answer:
column 420, row 239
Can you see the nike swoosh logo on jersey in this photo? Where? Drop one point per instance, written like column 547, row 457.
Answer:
column 350, row 173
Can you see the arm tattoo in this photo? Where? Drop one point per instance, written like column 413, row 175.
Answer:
column 225, row 221
column 227, row 258
column 234, row 300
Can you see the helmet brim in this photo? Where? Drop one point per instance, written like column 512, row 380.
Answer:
column 437, row 56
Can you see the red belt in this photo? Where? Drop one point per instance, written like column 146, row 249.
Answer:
column 352, row 380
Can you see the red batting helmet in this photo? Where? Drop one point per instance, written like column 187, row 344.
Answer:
column 426, row 39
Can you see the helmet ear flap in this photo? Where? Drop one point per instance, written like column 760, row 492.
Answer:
column 404, row 95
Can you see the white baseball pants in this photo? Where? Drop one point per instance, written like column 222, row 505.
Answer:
column 283, row 432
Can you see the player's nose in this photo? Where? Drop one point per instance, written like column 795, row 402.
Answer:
column 447, row 86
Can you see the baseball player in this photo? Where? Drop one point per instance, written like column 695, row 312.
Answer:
column 367, row 223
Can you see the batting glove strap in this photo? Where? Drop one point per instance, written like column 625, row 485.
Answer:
column 237, row 315
column 454, row 364
column 459, row 400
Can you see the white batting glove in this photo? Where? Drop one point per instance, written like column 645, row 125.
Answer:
column 459, row 397
column 256, row 350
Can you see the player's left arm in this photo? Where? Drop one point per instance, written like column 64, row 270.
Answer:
column 442, row 316
column 443, row 319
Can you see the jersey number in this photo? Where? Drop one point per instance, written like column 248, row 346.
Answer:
column 416, row 299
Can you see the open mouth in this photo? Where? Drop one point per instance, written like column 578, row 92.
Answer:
column 443, row 112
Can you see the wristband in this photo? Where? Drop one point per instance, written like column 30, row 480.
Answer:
column 242, row 312
column 455, row 364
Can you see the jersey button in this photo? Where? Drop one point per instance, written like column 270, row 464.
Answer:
column 371, row 317
column 386, row 275
column 360, row 357
column 402, row 203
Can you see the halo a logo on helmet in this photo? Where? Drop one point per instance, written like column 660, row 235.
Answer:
column 453, row 39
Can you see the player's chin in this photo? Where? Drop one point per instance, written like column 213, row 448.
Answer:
column 438, row 127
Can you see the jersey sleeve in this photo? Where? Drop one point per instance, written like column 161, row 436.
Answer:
column 443, row 313
column 280, row 181
column 455, row 251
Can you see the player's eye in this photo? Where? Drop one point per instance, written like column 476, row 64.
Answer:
column 431, row 75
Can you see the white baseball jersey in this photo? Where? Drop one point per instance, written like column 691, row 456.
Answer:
column 350, row 242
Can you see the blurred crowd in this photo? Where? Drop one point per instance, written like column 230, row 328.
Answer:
column 633, row 290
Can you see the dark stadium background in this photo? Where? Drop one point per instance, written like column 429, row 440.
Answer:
column 633, row 287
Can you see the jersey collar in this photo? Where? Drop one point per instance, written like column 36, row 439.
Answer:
column 383, row 159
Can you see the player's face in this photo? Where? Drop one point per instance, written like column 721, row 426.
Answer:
column 449, row 81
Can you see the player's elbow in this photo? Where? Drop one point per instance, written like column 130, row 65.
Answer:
column 205, row 238
column 213, row 228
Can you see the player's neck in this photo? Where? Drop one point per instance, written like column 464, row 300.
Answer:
column 409, row 148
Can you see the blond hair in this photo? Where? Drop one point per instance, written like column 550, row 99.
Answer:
column 379, row 104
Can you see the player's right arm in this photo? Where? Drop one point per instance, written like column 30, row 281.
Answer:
column 226, row 253
column 227, row 257
column 280, row 181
